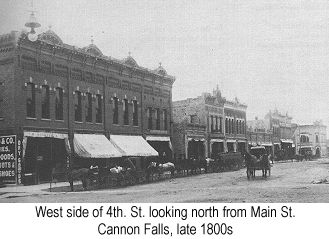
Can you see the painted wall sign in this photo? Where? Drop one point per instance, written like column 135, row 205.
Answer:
column 8, row 159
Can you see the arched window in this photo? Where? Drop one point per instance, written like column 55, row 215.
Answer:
column 59, row 104
column 77, row 107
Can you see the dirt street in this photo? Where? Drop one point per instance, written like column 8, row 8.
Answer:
column 289, row 182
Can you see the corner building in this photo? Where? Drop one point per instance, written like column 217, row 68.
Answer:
column 52, row 91
column 208, row 125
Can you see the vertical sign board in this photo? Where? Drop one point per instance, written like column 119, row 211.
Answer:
column 8, row 159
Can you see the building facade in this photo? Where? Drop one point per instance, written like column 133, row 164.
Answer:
column 208, row 125
column 259, row 134
column 50, row 91
column 311, row 138
column 283, row 131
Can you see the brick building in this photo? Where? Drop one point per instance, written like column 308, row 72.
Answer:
column 208, row 125
column 259, row 134
column 311, row 138
column 51, row 91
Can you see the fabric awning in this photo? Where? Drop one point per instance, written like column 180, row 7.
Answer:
column 231, row 141
column 94, row 146
column 306, row 147
column 216, row 140
column 158, row 138
column 133, row 145
column 196, row 139
column 288, row 141
column 267, row 144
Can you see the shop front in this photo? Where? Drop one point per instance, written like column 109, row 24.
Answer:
column 287, row 148
column 216, row 147
column 196, row 148
column 43, row 153
column 162, row 145
column 242, row 146
column 231, row 145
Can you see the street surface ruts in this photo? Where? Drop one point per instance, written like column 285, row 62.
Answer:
column 289, row 182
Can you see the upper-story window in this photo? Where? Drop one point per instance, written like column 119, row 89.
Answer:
column 89, row 107
column 226, row 125
column 135, row 113
column 99, row 107
column 193, row 119
column 165, row 119
column 317, row 138
column 2, row 108
column 149, row 117
column 212, row 123
column 125, row 112
column 157, row 119
column 77, row 106
column 216, row 120
column 30, row 100
column 304, row 139
column 59, row 104
column 115, row 110
column 221, row 124
column 45, row 111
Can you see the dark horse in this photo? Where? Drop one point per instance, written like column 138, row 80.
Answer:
column 156, row 168
column 253, row 164
column 81, row 174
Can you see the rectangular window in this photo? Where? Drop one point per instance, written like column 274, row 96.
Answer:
column 135, row 113
column 216, row 124
column 165, row 119
column 77, row 107
column 99, row 106
column 221, row 124
column 212, row 123
column 59, row 104
column 2, row 108
column 125, row 112
column 149, row 117
column 89, row 107
column 115, row 110
column 226, row 125
column 45, row 112
column 30, row 100
column 157, row 119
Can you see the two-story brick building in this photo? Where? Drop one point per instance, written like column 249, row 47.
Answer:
column 208, row 125
column 53, row 95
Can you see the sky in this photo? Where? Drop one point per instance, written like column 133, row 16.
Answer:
column 268, row 53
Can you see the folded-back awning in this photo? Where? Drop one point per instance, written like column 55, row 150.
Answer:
column 267, row 144
column 287, row 141
column 94, row 146
column 133, row 145
column 158, row 138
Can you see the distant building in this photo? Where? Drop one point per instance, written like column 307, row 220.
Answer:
column 311, row 137
column 282, row 129
column 259, row 133
column 208, row 125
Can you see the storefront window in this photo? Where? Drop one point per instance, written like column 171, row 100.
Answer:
column 59, row 104
column 89, row 107
column 30, row 100
column 77, row 107
column 99, row 112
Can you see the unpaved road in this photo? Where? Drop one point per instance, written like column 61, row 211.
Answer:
column 289, row 182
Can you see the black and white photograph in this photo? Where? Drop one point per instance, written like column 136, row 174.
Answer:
column 174, row 101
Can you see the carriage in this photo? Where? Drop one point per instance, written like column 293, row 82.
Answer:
column 257, row 159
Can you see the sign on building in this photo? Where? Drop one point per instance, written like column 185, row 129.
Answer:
column 8, row 159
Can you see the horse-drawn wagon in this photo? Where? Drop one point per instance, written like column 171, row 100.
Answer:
column 257, row 159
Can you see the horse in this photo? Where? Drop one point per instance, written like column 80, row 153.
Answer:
column 253, row 164
column 83, row 174
column 156, row 168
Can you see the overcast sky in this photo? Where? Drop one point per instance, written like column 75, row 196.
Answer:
column 268, row 53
